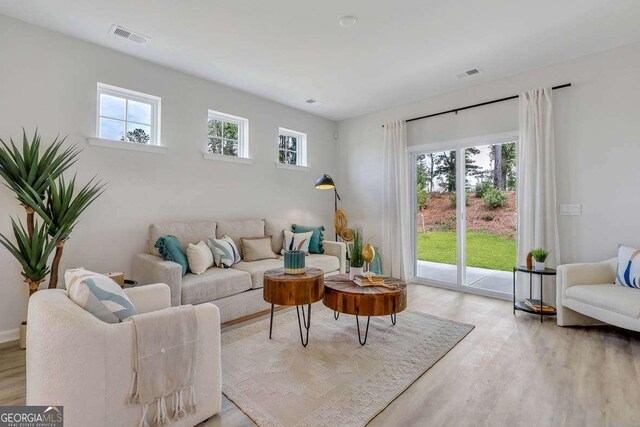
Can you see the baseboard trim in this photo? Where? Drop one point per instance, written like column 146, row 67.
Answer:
column 9, row 335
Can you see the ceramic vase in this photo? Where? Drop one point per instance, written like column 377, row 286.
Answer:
column 294, row 262
column 539, row 266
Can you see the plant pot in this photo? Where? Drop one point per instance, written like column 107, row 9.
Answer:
column 355, row 271
column 23, row 335
column 538, row 266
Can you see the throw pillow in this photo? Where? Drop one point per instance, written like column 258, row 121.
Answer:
column 99, row 295
column 296, row 241
column 257, row 248
column 628, row 271
column 225, row 253
column 171, row 250
column 315, row 244
column 200, row 257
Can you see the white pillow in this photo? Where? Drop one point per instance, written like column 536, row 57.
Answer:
column 99, row 295
column 296, row 241
column 225, row 253
column 199, row 257
column 628, row 271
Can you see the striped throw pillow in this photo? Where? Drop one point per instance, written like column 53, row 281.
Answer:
column 99, row 295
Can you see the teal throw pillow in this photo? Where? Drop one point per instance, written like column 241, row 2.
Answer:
column 171, row 250
column 315, row 245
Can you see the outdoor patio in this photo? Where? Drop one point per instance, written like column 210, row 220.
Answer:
column 482, row 278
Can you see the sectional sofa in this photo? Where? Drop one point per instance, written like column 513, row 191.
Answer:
column 236, row 291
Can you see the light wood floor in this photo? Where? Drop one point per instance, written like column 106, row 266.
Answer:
column 509, row 371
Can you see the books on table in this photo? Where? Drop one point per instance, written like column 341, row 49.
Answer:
column 537, row 305
column 362, row 280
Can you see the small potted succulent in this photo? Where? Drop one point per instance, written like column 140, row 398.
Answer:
column 356, row 260
column 540, row 256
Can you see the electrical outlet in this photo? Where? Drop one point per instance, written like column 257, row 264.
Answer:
column 571, row 210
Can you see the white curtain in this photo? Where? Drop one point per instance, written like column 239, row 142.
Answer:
column 537, row 220
column 396, row 207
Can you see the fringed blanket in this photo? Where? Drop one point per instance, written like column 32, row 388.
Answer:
column 164, row 360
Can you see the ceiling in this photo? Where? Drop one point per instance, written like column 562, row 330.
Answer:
column 292, row 50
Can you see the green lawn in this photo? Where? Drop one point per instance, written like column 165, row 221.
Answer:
column 483, row 249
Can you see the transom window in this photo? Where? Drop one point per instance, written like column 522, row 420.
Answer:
column 126, row 115
column 292, row 147
column 228, row 135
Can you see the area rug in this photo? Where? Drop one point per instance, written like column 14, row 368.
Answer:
column 334, row 381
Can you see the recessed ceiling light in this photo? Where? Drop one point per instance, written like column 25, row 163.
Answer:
column 348, row 21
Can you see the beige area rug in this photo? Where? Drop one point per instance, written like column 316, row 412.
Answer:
column 334, row 381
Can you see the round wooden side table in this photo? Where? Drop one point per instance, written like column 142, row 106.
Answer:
column 344, row 296
column 294, row 289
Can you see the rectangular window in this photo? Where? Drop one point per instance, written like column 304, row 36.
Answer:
column 228, row 135
column 126, row 115
column 292, row 147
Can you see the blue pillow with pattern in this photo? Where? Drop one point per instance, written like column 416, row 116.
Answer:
column 628, row 271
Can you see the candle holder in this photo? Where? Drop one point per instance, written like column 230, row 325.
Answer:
column 294, row 262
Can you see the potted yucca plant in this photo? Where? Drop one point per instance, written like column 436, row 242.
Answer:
column 32, row 177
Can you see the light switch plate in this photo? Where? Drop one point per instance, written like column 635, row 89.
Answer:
column 572, row 210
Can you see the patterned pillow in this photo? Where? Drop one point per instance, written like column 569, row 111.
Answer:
column 99, row 295
column 628, row 272
column 225, row 253
column 296, row 241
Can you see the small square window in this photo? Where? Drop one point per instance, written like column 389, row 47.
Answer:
column 292, row 147
column 228, row 135
column 126, row 115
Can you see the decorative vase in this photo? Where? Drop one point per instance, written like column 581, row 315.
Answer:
column 539, row 266
column 355, row 271
column 294, row 262
column 23, row 335
column 529, row 261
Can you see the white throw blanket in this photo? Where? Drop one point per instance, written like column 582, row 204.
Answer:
column 164, row 360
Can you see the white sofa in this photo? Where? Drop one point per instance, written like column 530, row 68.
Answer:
column 78, row 361
column 237, row 291
column 587, row 295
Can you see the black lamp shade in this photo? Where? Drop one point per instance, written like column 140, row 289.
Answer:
column 325, row 182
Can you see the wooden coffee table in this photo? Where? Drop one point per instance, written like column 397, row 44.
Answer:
column 294, row 289
column 343, row 296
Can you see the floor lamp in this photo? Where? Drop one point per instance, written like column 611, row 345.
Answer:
column 325, row 182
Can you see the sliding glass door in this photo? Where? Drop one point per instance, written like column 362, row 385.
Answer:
column 466, row 215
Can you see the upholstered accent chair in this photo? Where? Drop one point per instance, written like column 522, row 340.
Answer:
column 587, row 295
column 78, row 361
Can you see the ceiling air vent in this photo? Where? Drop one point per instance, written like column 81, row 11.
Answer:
column 119, row 31
column 469, row 73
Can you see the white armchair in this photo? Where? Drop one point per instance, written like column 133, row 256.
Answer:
column 587, row 295
column 84, row 364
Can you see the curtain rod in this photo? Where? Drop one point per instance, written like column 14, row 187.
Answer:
column 455, row 110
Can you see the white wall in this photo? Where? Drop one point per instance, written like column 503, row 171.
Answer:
column 49, row 80
column 597, row 127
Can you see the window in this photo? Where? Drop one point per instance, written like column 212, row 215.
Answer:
column 126, row 115
column 227, row 135
column 292, row 147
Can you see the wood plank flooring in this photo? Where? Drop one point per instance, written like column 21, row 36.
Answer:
column 509, row 371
